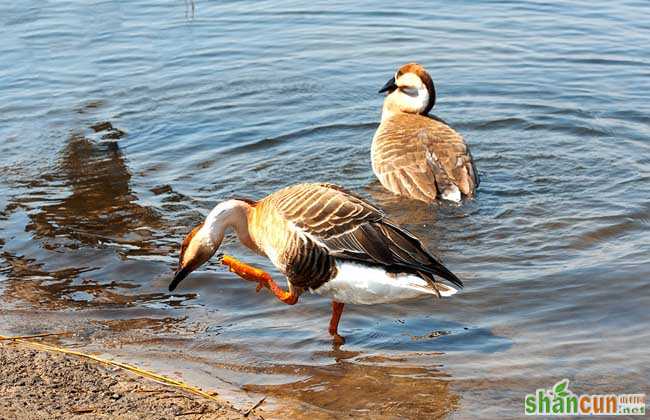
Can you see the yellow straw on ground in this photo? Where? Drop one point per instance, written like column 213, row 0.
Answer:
column 140, row 372
column 21, row 337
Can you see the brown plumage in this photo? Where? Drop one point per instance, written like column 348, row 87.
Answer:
column 414, row 155
column 303, row 229
column 325, row 240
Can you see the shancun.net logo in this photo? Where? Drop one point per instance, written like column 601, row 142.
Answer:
column 560, row 401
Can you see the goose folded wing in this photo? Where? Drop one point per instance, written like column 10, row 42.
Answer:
column 421, row 159
column 347, row 227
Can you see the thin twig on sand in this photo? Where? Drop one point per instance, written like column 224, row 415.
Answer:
column 250, row 410
column 23, row 337
column 134, row 369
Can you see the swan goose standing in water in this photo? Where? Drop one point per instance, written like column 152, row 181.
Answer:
column 324, row 240
column 414, row 155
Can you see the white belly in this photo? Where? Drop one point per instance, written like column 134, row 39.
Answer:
column 362, row 284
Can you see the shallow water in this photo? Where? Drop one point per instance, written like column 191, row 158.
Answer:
column 123, row 123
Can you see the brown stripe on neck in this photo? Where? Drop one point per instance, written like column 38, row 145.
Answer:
column 186, row 243
column 246, row 200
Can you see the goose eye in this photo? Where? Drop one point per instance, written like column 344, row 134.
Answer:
column 411, row 91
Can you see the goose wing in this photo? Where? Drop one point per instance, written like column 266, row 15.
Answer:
column 419, row 157
column 334, row 222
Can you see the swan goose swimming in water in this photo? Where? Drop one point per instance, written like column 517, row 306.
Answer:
column 324, row 240
column 414, row 155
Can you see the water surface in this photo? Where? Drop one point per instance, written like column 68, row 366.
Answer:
column 123, row 123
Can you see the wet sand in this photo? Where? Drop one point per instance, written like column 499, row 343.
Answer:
column 38, row 384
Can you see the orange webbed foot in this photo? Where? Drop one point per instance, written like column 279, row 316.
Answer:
column 245, row 271
column 262, row 278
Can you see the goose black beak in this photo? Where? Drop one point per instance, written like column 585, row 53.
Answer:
column 389, row 86
column 178, row 277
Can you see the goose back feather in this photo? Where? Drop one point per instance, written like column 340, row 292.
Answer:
column 419, row 157
column 305, row 228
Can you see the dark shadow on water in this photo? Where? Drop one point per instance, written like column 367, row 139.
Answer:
column 100, row 205
column 363, row 385
column 69, row 229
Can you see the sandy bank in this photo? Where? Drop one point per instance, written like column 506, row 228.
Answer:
column 38, row 384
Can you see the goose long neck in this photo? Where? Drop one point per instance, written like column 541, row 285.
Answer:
column 389, row 109
column 231, row 214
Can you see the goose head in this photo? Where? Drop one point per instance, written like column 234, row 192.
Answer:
column 410, row 91
column 205, row 239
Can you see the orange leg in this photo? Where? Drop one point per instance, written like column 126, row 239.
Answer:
column 263, row 278
column 337, row 310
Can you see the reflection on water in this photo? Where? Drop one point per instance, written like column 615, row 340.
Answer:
column 367, row 386
column 78, row 210
column 99, row 206
column 120, row 127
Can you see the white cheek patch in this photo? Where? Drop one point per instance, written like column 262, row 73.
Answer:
column 412, row 95
column 413, row 104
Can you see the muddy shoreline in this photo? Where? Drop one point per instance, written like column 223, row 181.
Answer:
column 37, row 384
